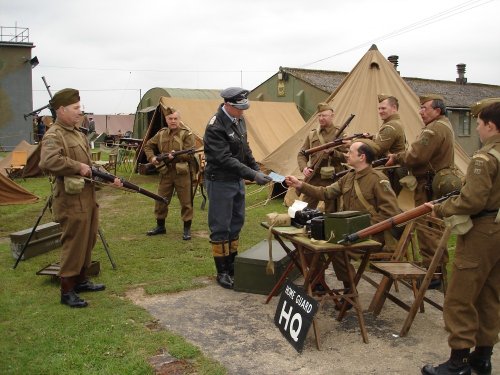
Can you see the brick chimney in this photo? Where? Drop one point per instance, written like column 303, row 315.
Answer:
column 394, row 60
column 461, row 80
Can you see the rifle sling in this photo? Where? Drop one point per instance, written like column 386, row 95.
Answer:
column 362, row 199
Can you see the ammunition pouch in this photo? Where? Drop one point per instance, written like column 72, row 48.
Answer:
column 459, row 224
column 409, row 182
column 73, row 184
column 445, row 181
column 182, row 167
column 326, row 173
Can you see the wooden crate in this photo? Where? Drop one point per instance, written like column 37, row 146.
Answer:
column 45, row 238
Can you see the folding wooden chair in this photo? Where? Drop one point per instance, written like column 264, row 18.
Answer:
column 18, row 161
column 410, row 274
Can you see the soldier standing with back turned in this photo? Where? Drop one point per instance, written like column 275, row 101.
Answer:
column 472, row 305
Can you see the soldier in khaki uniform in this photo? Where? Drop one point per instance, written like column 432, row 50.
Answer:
column 65, row 154
column 391, row 138
column 432, row 151
column 472, row 305
column 176, row 173
column 363, row 189
column 326, row 132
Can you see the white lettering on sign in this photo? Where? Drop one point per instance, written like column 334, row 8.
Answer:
column 295, row 321
column 301, row 302
column 289, row 292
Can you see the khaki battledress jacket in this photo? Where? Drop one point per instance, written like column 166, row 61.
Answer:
column 432, row 151
column 472, row 305
column 63, row 149
column 391, row 136
column 173, row 176
column 375, row 189
column 335, row 160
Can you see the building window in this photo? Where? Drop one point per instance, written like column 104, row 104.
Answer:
column 464, row 124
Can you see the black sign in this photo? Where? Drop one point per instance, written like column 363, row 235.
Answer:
column 294, row 314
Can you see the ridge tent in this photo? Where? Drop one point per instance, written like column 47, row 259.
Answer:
column 357, row 94
column 31, row 169
column 12, row 193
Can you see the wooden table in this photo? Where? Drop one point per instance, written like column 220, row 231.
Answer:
column 313, row 258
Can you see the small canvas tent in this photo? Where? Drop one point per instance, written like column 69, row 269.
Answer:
column 12, row 193
column 268, row 123
column 31, row 169
column 357, row 94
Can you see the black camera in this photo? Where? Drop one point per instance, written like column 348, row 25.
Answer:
column 304, row 217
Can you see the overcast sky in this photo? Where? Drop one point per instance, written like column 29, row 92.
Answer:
column 114, row 51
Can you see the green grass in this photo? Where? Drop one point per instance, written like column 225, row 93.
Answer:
column 111, row 336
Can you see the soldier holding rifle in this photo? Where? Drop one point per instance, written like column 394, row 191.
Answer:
column 432, row 151
column 472, row 304
column 391, row 138
column 176, row 173
column 65, row 154
column 363, row 189
column 319, row 167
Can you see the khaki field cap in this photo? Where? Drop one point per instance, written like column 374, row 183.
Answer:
column 382, row 97
column 236, row 97
column 425, row 98
column 64, row 98
column 324, row 107
column 476, row 109
column 168, row 110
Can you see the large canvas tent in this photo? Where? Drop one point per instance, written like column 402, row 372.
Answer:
column 12, row 193
column 32, row 169
column 269, row 124
column 357, row 94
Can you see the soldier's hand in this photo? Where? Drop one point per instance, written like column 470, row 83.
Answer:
column 85, row 170
column 293, row 181
column 170, row 155
column 154, row 160
column 391, row 161
column 261, row 178
column 118, row 182
column 307, row 171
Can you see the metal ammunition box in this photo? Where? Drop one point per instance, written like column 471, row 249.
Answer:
column 45, row 238
column 340, row 224
column 250, row 268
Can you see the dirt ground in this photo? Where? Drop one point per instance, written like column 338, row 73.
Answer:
column 237, row 329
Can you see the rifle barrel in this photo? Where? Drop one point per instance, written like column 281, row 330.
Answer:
column 111, row 178
column 393, row 221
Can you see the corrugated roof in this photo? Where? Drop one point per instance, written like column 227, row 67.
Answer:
column 456, row 95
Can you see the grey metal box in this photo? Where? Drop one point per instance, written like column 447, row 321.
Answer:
column 45, row 238
column 250, row 268
column 343, row 223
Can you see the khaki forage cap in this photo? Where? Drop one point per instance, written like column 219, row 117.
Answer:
column 425, row 98
column 482, row 104
column 64, row 98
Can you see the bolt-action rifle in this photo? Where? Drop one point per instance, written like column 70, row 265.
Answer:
column 111, row 178
column 164, row 158
column 394, row 220
column 320, row 159
column 375, row 164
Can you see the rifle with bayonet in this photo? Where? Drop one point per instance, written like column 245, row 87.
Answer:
column 111, row 178
column 320, row 159
column 376, row 163
column 391, row 222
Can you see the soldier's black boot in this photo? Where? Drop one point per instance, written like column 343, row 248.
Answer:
column 480, row 360
column 223, row 277
column 160, row 228
column 458, row 364
column 83, row 284
column 186, row 236
column 68, row 295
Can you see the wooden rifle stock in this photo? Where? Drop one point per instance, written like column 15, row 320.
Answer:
column 394, row 220
column 111, row 178
column 335, row 143
column 375, row 164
